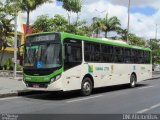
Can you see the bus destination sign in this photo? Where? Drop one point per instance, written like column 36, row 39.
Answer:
column 39, row 38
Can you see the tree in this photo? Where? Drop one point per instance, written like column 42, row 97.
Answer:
column 42, row 24
column 123, row 33
column 154, row 45
column 59, row 23
column 85, row 31
column 29, row 6
column 45, row 24
column 72, row 6
column 96, row 25
column 137, row 41
column 81, row 28
column 6, row 27
column 110, row 24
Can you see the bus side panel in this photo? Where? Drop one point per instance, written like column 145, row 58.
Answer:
column 144, row 72
column 108, row 74
column 104, row 74
column 72, row 77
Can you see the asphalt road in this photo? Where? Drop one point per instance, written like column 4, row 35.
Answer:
column 145, row 98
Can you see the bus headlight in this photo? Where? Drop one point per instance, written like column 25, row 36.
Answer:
column 58, row 76
column 55, row 78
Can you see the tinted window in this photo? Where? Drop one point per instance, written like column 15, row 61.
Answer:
column 92, row 52
column 73, row 53
column 96, row 52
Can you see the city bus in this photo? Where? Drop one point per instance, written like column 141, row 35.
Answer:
column 65, row 62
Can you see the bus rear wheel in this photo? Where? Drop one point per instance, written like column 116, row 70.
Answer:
column 133, row 81
column 86, row 87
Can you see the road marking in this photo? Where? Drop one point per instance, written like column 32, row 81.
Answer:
column 142, row 111
column 8, row 98
column 155, row 106
column 146, row 87
column 150, row 108
column 86, row 98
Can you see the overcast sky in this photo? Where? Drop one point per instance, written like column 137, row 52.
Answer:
column 145, row 14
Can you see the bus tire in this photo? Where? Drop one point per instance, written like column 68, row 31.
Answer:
column 86, row 87
column 133, row 80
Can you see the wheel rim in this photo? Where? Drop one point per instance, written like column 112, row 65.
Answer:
column 133, row 80
column 86, row 87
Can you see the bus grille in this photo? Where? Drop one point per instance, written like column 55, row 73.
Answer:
column 39, row 84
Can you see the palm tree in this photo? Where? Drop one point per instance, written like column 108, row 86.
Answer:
column 29, row 6
column 110, row 24
column 123, row 33
column 96, row 25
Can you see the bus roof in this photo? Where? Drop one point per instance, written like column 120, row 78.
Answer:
column 99, row 40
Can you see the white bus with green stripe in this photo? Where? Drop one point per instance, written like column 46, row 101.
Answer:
column 65, row 62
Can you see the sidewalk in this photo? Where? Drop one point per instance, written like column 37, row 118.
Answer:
column 10, row 86
column 14, row 87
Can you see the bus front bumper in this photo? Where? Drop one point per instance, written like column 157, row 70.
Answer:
column 55, row 86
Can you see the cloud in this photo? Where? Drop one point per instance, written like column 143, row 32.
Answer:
column 154, row 3
column 140, row 24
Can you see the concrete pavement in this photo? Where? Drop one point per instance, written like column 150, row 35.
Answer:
column 10, row 86
column 13, row 87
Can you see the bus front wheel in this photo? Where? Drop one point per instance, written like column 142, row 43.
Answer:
column 133, row 81
column 86, row 87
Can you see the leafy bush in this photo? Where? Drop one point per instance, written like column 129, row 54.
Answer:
column 11, row 68
column 19, row 68
column 8, row 64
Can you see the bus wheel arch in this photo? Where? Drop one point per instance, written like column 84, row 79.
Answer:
column 90, row 76
column 133, row 80
column 87, row 85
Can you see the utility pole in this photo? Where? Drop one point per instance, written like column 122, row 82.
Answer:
column 15, row 48
column 129, row 3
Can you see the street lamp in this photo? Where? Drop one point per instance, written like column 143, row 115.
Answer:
column 100, row 11
column 99, row 16
column 129, row 3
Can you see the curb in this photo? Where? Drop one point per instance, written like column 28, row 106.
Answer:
column 8, row 95
column 153, row 78
column 19, row 93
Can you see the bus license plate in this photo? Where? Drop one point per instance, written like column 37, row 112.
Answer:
column 36, row 85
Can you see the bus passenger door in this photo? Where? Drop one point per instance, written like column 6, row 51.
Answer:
column 72, row 64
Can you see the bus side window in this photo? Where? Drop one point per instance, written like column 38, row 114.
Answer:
column 92, row 52
column 73, row 54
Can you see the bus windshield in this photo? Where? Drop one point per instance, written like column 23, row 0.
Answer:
column 42, row 56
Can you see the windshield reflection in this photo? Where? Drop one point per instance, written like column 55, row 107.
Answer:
column 42, row 56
